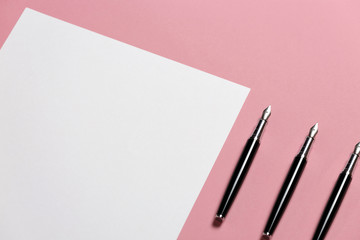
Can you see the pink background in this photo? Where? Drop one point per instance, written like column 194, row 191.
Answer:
column 302, row 57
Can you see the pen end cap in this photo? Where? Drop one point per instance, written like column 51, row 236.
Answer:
column 266, row 236
column 219, row 218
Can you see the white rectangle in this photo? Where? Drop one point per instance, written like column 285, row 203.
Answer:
column 102, row 140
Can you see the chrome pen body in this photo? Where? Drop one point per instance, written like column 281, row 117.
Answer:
column 336, row 196
column 289, row 184
column 242, row 167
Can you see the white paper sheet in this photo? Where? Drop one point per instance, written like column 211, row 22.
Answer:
column 102, row 140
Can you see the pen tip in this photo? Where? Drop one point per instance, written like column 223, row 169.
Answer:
column 313, row 130
column 357, row 149
column 266, row 113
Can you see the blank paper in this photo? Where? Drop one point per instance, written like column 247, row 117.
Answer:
column 100, row 139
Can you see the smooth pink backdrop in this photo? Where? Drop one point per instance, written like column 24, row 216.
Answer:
column 302, row 57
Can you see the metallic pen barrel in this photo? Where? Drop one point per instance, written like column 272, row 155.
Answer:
column 242, row 166
column 336, row 196
column 289, row 184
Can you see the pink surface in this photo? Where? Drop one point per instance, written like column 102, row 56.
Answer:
column 302, row 57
